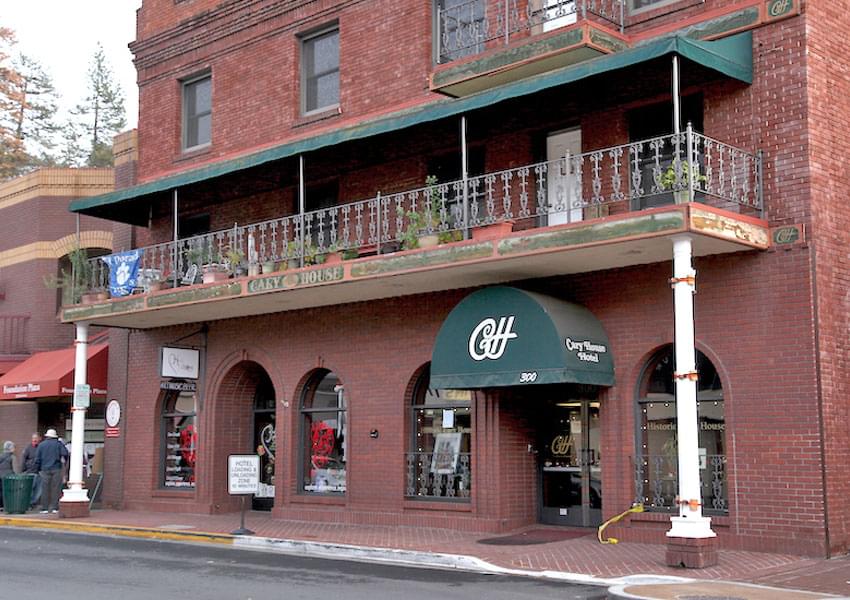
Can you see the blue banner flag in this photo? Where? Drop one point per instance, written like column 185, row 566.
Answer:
column 123, row 272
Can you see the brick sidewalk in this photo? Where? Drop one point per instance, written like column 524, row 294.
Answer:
column 582, row 555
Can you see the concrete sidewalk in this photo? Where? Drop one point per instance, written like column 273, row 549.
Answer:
column 630, row 570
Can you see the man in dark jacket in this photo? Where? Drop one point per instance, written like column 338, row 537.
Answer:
column 49, row 458
column 28, row 460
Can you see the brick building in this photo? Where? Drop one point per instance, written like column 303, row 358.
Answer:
column 449, row 247
column 37, row 235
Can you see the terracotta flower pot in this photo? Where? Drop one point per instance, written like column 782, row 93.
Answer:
column 429, row 241
column 493, row 231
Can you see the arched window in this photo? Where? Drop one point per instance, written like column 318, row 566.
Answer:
column 439, row 464
column 656, row 476
column 265, row 442
column 323, row 434
column 179, row 445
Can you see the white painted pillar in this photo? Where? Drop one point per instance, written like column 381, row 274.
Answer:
column 690, row 523
column 75, row 492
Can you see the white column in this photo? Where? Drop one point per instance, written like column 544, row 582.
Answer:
column 75, row 492
column 690, row 523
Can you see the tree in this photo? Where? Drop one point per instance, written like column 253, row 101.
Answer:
column 34, row 110
column 12, row 154
column 102, row 113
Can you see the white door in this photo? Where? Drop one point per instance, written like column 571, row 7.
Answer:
column 562, row 186
column 558, row 13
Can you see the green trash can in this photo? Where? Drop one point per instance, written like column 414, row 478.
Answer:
column 17, row 491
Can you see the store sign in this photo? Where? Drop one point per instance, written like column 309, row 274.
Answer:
column 243, row 474
column 489, row 338
column 21, row 388
column 179, row 386
column 585, row 350
column 294, row 280
column 183, row 363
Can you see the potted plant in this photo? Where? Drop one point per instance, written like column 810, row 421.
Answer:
column 428, row 217
column 235, row 258
column 680, row 186
column 214, row 267
column 267, row 266
column 75, row 282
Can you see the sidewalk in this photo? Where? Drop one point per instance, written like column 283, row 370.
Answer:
column 580, row 558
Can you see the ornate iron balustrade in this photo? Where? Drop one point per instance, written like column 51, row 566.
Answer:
column 619, row 179
column 469, row 27
column 426, row 480
column 657, row 483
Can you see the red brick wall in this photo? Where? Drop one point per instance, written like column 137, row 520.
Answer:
column 828, row 96
column 18, row 422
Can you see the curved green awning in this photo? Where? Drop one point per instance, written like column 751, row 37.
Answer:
column 503, row 336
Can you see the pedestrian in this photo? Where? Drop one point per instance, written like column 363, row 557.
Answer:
column 28, row 460
column 8, row 465
column 49, row 458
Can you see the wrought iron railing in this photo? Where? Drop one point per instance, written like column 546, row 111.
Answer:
column 657, row 482
column 430, row 478
column 469, row 27
column 663, row 170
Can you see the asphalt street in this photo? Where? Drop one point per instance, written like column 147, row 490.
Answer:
column 88, row 567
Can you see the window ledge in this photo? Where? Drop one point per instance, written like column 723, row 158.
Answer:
column 436, row 505
column 307, row 498
column 175, row 493
column 320, row 115
column 194, row 152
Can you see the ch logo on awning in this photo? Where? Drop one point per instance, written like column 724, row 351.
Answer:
column 489, row 338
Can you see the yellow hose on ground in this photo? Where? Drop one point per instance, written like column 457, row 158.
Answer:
column 634, row 509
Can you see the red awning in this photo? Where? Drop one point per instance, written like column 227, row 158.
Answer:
column 49, row 374
column 8, row 365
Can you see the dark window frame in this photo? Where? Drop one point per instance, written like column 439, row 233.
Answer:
column 188, row 116
column 306, row 77
column 167, row 410
column 305, row 411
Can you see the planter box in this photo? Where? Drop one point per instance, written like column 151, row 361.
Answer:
column 493, row 231
column 94, row 297
column 214, row 275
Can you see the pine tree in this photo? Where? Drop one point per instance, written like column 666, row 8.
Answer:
column 12, row 155
column 34, row 111
column 102, row 113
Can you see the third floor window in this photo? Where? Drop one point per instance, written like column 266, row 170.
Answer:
column 320, row 71
column 197, row 112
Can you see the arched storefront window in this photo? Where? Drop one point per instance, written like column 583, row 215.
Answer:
column 323, row 435
column 179, row 445
column 265, row 442
column 439, row 462
column 656, row 465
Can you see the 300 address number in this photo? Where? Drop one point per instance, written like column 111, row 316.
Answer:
column 528, row 377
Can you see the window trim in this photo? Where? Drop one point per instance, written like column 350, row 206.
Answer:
column 184, row 122
column 303, row 40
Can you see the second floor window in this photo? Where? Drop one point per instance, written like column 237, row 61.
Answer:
column 197, row 112
column 320, row 71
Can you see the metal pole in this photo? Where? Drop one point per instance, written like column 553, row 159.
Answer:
column 301, row 203
column 760, row 182
column 175, row 263
column 507, row 16
column 691, row 161
column 464, row 170
column 378, row 219
column 690, row 523
column 677, row 100
column 75, row 492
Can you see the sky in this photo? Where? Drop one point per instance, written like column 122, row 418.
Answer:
column 62, row 35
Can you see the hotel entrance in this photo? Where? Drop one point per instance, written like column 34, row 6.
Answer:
column 569, row 463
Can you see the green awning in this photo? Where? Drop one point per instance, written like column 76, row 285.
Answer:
column 503, row 336
column 731, row 57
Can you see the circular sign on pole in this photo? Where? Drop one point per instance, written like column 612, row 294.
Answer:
column 113, row 413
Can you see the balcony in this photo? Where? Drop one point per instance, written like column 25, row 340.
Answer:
column 482, row 44
column 608, row 208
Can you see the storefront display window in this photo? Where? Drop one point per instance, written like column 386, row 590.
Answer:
column 179, row 435
column 657, row 460
column 265, row 442
column 323, row 435
column 439, row 461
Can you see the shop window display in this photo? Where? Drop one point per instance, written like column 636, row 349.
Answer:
column 657, row 457
column 439, row 462
column 179, row 439
column 323, row 435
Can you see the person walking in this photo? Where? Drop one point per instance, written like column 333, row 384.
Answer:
column 8, row 465
column 28, row 460
column 49, row 461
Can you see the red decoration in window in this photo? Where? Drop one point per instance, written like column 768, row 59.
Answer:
column 189, row 444
column 322, row 444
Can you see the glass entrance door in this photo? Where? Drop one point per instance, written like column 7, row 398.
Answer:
column 570, row 465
